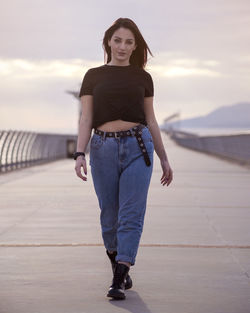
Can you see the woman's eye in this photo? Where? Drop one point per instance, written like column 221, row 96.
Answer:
column 127, row 42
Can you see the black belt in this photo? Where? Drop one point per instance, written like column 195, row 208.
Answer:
column 135, row 131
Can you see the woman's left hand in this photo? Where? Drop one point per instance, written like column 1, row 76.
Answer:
column 167, row 175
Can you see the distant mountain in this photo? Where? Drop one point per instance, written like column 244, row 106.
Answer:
column 236, row 115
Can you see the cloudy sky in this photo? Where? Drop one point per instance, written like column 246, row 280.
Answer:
column 201, row 56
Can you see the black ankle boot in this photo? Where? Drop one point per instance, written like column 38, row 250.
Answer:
column 128, row 281
column 117, row 288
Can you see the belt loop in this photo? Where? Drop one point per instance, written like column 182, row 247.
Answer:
column 104, row 135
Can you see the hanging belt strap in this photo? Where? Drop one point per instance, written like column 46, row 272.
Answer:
column 142, row 147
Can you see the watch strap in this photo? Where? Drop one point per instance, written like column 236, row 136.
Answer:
column 76, row 154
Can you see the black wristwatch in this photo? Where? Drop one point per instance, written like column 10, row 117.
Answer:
column 76, row 154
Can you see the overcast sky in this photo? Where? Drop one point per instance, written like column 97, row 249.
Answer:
column 201, row 56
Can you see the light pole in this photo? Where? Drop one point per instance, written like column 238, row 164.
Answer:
column 76, row 95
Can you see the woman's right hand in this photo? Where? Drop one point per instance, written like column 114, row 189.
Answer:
column 167, row 173
column 81, row 162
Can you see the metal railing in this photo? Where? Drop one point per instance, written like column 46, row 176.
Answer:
column 20, row 149
column 232, row 147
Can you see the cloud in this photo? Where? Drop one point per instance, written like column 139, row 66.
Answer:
column 38, row 69
column 180, row 71
column 73, row 68
column 177, row 64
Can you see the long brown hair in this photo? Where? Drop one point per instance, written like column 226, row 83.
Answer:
column 139, row 56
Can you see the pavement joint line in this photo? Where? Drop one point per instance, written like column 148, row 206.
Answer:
column 28, row 245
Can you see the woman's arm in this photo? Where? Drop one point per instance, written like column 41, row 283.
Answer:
column 167, row 175
column 85, row 128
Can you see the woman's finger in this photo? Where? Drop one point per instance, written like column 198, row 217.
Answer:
column 164, row 179
column 163, row 176
column 167, row 177
column 79, row 174
column 84, row 165
column 170, row 178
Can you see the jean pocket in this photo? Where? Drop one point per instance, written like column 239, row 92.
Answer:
column 96, row 142
column 146, row 135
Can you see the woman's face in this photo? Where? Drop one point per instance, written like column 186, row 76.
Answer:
column 122, row 44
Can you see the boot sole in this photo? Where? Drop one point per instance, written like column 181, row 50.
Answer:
column 116, row 296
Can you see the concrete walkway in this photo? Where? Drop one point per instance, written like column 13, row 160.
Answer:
column 194, row 255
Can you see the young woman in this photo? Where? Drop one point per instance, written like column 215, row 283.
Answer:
column 117, row 102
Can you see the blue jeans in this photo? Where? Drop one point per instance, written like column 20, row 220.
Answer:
column 121, row 181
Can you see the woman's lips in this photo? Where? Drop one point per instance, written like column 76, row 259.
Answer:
column 121, row 53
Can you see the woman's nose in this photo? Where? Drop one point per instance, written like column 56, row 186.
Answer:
column 122, row 45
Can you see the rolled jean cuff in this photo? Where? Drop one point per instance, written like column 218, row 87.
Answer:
column 125, row 258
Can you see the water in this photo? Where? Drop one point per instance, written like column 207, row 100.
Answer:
column 215, row 131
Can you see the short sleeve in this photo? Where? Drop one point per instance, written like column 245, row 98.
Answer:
column 149, row 86
column 87, row 84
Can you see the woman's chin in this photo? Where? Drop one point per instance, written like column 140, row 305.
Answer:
column 121, row 57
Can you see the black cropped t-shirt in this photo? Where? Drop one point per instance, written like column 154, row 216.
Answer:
column 118, row 92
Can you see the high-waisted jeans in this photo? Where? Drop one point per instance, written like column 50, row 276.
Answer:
column 121, row 181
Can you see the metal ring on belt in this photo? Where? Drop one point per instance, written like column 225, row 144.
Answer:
column 135, row 131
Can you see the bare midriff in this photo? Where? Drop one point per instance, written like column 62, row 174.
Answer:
column 117, row 125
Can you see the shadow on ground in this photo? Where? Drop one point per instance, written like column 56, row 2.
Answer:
column 133, row 303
